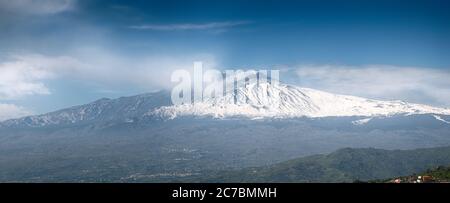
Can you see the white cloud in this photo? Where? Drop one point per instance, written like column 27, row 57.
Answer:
column 413, row 84
column 189, row 26
column 36, row 7
column 25, row 75
column 10, row 111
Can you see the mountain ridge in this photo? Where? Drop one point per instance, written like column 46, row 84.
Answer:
column 253, row 101
column 101, row 110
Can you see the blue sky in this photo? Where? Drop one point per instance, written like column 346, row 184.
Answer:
column 58, row 53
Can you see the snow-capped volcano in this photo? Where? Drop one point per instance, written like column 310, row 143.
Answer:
column 287, row 101
column 253, row 101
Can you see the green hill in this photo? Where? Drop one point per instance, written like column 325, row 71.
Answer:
column 439, row 174
column 344, row 165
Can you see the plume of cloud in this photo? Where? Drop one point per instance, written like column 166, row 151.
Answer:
column 25, row 75
column 152, row 72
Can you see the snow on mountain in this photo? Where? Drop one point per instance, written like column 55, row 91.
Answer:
column 361, row 121
column 440, row 119
column 288, row 101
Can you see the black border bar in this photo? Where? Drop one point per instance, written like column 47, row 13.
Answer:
column 145, row 192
